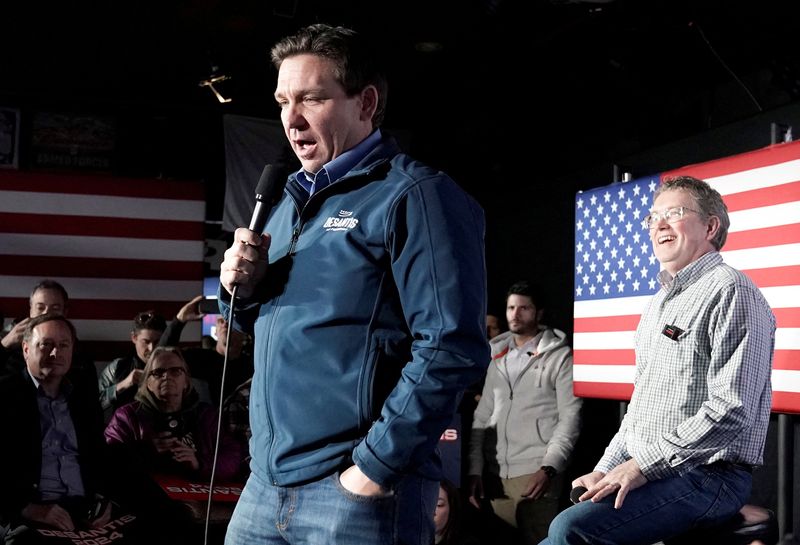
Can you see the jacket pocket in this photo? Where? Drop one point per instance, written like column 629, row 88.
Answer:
column 380, row 374
column 545, row 428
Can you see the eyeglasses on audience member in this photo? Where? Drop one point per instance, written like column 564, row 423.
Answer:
column 173, row 372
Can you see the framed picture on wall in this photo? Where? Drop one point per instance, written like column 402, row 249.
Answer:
column 9, row 138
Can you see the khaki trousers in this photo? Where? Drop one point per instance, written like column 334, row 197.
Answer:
column 531, row 517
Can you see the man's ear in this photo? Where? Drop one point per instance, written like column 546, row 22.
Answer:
column 712, row 227
column 369, row 102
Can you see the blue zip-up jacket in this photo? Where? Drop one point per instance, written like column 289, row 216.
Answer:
column 368, row 325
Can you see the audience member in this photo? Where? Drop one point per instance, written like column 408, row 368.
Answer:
column 527, row 421
column 206, row 365
column 47, row 297
column 447, row 518
column 472, row 395
column 208, row 342
column 51, row 463
column 120, row 379
column 167, row 430
column 494, row 326
column 236, row 418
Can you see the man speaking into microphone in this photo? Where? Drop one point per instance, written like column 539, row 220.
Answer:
column 698, row 417
column 366, row 296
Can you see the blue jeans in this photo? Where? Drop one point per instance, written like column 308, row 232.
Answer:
column 323, row 512
column 706, row 496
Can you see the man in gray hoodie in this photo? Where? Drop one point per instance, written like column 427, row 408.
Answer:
column 528, row 420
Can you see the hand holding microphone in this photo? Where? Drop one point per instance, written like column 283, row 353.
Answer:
column 245, row 262
column 576, row 493
column 582, row 484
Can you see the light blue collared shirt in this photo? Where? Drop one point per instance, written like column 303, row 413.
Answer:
column 61, row 472
column 335, row 169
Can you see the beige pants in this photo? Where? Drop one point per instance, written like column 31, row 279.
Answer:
column 531, row 517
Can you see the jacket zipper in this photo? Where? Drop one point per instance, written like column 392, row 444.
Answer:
column 293, row 242
column 504, row 372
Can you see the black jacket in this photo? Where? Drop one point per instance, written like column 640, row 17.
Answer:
column 21, row 450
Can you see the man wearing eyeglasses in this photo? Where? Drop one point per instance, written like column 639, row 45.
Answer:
column 683, row 456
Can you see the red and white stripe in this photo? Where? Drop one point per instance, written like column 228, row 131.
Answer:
column 119, row 246
column 762, row 192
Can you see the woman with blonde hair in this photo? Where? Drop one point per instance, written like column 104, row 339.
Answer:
column 168, row 429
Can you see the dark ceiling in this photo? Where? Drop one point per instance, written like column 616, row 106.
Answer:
column 508, row 85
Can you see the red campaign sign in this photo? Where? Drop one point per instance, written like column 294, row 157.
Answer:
column 185, row 490
column 113, row 533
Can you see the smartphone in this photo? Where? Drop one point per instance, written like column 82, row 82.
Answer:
column 208, row 306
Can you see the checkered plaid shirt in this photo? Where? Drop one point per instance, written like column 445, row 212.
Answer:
column 702, row 394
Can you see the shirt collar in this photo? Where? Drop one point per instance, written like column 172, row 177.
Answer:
column 65, row 388
column 337, row 168
column 529, row 346
column 690, row 273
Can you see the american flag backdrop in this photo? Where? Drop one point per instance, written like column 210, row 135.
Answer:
column 615, row 269
column 119, row 246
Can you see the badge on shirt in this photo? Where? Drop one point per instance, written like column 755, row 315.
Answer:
column 672, row 331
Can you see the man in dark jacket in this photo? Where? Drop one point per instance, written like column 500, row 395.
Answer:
column 49, row 468
column 369, row 321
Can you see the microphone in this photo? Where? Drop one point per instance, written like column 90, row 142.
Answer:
column 268, row 193
column 576, row 493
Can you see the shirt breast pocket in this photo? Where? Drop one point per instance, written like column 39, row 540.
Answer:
column 681, row 355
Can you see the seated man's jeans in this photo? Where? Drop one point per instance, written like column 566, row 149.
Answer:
column 706, row 496
column 324, row 512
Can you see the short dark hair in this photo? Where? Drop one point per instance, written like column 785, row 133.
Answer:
column 708, row 200
column 48, row 284
column 27, row 335
column 149, row 320
column 528, row 289
column 356, row 61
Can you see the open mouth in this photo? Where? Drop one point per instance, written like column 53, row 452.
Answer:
column 666, row 238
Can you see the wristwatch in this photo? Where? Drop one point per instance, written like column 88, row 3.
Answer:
column 550, row 471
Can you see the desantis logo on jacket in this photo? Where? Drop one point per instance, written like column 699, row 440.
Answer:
column 344, row 222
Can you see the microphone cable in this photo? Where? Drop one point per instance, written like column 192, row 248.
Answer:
column 268, row 192
column 219, row 415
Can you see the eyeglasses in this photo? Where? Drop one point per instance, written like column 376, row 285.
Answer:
column 161, row 372
column 671, row 215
